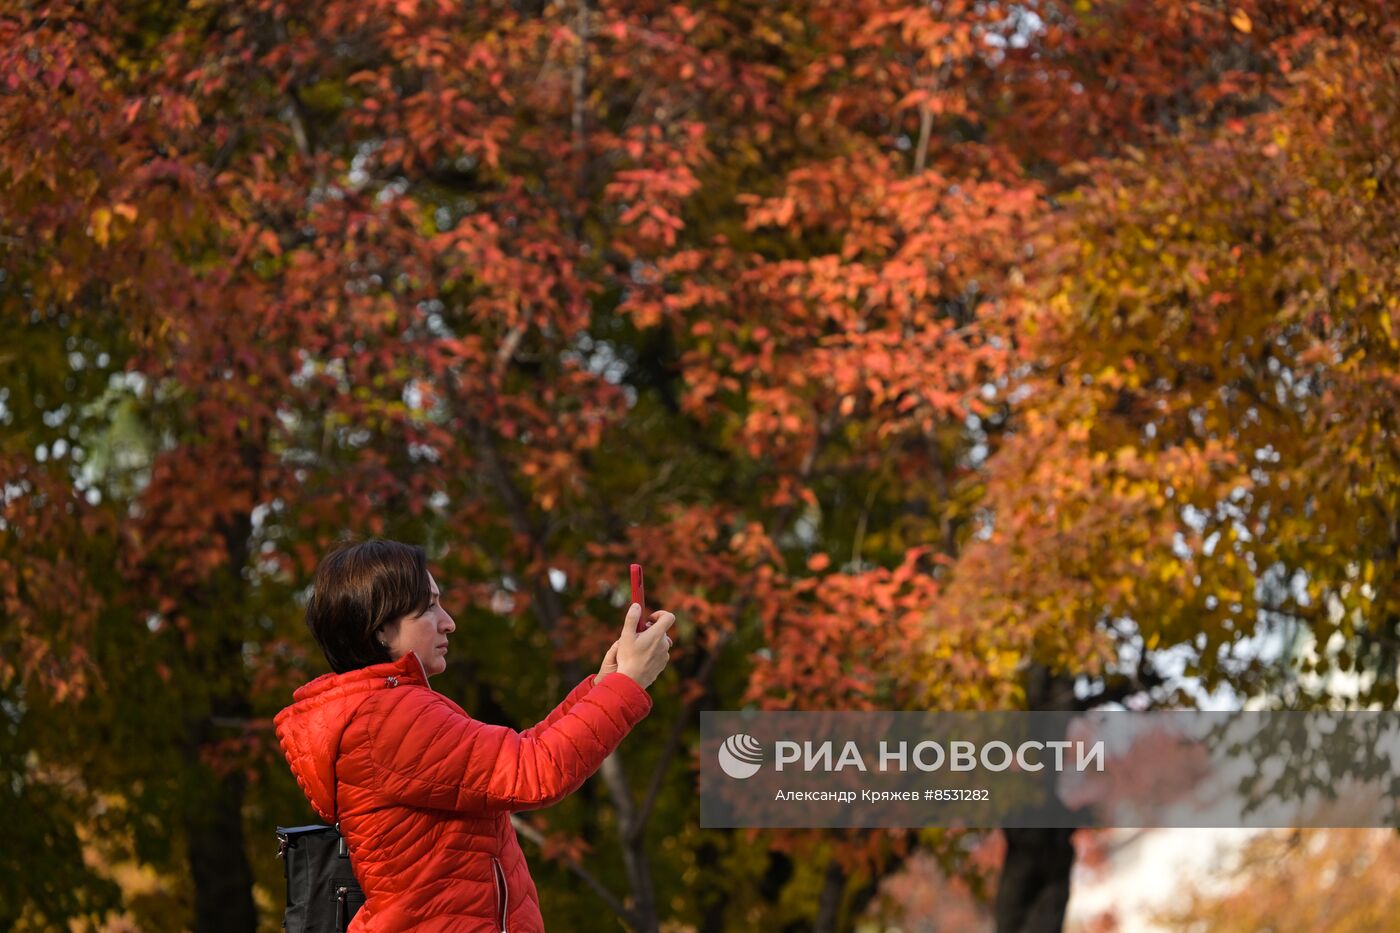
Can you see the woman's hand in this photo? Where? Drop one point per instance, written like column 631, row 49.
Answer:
column 643, row 657
column 609, row 662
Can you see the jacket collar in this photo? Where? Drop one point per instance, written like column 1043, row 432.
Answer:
column 408, row 669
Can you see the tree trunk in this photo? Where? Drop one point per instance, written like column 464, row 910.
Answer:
column 223, row 880
column 643, row 915
column 1034, row 887
column 711, row 895
column 218, row 853
column 829, row 904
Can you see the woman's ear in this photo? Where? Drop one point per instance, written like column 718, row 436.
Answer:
column 387, row 633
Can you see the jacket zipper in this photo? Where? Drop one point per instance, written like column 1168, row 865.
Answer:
column 502, row 894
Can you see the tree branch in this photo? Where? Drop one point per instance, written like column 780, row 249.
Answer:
column 545, row 601
column 925, row 130
column 1119, row 687
column 579, row 120
column 535, row 836
column 643, row 914
column 673, row 741
column 511, row 343
column 702, row 676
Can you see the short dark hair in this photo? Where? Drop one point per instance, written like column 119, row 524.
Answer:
column 359, row 587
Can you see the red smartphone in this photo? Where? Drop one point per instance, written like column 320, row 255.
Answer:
column 639, row 597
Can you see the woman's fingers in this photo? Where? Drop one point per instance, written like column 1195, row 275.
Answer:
column 609, row 664
column 629, row 624
column 661, row 621
column 644, row 656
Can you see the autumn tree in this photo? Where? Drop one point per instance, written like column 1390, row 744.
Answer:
column 503, row 279
column 748, row 291
column 1340, row 880
column 1205, row 447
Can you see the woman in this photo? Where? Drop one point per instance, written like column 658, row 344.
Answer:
column 422, row 791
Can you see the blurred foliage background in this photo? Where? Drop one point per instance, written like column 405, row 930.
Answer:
column 941, row 355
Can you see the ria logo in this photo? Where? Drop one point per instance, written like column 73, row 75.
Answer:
column 740, row 756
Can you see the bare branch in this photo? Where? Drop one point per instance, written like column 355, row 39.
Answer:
column 535, row 836
column 925, row 130
column 643, row 913
column 1119, row 687
column 511, row 343
column 580, row 111
column 702, row 676
column 673, row 741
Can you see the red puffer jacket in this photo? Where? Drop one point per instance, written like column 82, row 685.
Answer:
column 424, row 792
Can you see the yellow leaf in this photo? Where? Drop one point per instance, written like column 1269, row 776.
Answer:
column 1241, row 21
column 101, row 224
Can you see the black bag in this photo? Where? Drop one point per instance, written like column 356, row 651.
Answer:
column 322, row 893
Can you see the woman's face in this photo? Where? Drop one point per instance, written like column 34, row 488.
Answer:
column 425, row 633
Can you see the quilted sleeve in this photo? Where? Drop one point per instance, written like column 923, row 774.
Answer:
column 425, row 753
column 574, row 696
